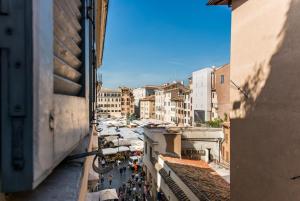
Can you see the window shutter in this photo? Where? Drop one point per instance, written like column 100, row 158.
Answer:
column 67, row 47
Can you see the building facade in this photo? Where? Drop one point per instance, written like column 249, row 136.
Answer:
column 222, row 89
column 159, row 104
column 147, row 107
column 201, row 95
column 140, row 93
column 127, row 102
column 169, row 103
column 225, row 155
column 109, row 102
column 264, row 123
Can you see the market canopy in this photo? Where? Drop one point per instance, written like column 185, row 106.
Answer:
column 108, row 194
column 111, row 151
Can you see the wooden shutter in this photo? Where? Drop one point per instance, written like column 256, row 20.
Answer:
column 67, row 47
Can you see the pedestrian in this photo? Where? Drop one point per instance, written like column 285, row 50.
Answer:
column 124, row 169
column 140, row 185
column 120, row 190
column 110, row 177
column 129, row 192
column 121, row 171
column 103, row 163
column 102, row 179
column 135, row 168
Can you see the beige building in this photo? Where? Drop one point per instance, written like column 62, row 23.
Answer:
column 222, row 90
column 187, row 107
column 225, row 152
column 109, row 102
column 177, row 110
column 127, row 102
column 264, row 69
column 147, row 107
column 140, row 93
column 169, row 103
column 159, row 104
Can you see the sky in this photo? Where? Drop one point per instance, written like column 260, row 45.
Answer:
column 158, row 41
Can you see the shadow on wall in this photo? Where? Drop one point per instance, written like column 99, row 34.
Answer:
column 266, row 142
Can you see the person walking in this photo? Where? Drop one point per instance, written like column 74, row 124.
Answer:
column 103, row 163
column 121, row 171
column 110, row 177
column 102, row 179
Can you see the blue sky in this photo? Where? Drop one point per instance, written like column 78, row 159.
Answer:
column 158, row 41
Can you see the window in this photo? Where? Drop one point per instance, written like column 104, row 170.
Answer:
column 222, row 79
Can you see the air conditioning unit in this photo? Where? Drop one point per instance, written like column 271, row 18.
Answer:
column 47, row 85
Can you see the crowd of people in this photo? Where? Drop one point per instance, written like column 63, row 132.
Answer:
column 136, row 189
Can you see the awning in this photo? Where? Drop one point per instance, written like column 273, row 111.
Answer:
column 121, row 142
column 108, row 194
column 101, row 18
column 110, row 151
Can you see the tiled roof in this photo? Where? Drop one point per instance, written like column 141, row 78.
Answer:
column 173, row 186
column 203, row 181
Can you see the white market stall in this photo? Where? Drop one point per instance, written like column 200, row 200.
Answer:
column 104, row 195
column 111, row 151
column 108, row 194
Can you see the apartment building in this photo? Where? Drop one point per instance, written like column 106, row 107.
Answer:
column 140, row 93
column 159, row 104
column 127, row 102
column 147, row 107
column 201, row 96
column 177, row 104
column 109, row 102
column 264, row 124
column 187, row 108
column 222, row 89
column 169, row 103
column 214, row 97
column 167, row 173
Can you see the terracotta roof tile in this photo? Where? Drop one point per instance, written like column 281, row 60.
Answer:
column 205, row 183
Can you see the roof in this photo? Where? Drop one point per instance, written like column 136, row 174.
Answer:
column 148, row 98
column 177, row 98
column 151, row 87
column 202, row 180
column 218, row 2
column 110, row 90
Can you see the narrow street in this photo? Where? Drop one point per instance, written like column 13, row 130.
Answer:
column 119, row 181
